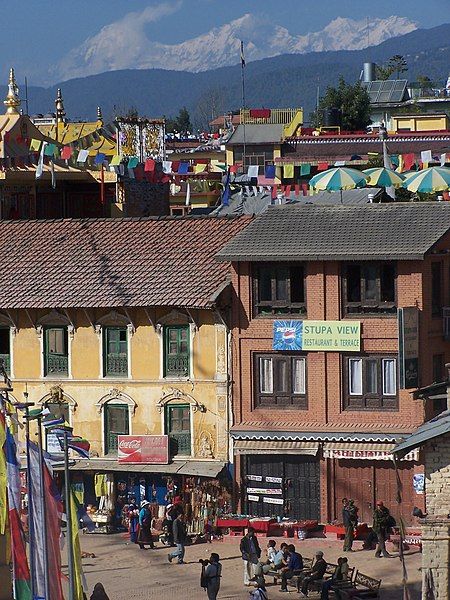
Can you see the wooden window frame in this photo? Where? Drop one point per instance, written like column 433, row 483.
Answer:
column 107, row 407
column 63, row 355
column 107, row 371
column 275, row 307
column 374, row 307
column 169, row 409
column 370, row 401
column 185, row 372
column 279, row 399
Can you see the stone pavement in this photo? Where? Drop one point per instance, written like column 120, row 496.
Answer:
column 129, row 573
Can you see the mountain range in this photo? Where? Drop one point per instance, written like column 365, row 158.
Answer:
column 110, row 49
column 281, row 81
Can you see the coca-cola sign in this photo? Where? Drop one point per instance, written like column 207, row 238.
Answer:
column 143, row 449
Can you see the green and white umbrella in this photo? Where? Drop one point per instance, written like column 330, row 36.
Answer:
column 383, row 177
column 434, row 179
column 339, row 178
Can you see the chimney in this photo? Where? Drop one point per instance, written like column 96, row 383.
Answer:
column 368, row 72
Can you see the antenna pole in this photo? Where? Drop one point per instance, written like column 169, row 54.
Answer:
column 26, row 96
column 243, row 102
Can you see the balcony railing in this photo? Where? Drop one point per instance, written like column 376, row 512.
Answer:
column 56, row 365
column 6, row 362
column 177, row 365
column 278, row 116
column 116, row 364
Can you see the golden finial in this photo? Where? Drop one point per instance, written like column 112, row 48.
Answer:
column 12, row 101
column 99, row 114
column 59, row 103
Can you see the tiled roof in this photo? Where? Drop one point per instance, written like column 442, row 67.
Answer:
column 397, row 231
column 114, row 262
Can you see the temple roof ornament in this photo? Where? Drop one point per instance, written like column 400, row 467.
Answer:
column 59, row 103
column 12, row 101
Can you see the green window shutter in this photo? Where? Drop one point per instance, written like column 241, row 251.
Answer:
column 115, row 351
column 116, row 423
column 56, row 358
column 176, row 351
column 178, row 428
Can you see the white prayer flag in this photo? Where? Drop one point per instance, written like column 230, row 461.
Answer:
column 253, row 171
column 188, row 194
column 40, row 165
column 82, row 156
column 425, row 156
column 167, row 167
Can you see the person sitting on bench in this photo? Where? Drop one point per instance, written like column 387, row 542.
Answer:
column 317, row 572
column 294, row 565
column 340, row 574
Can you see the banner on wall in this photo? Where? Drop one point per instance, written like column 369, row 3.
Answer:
column 324, row 336
column 408, row 347
column 143, row 449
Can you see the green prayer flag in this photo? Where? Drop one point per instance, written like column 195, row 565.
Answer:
column 133, row 162
column 49, row 150
column 305, row 169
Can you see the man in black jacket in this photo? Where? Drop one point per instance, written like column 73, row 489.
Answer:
column 250, row 552
column 317, row 572
column 179, row 537
column 350, row 521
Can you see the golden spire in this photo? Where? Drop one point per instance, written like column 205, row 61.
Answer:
column 99, row 115
column 12, row 101
column 59, row 103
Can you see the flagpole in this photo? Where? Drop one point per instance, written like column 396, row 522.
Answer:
column 68, row 519
column 44, row 508
column 243, row 102
column 26, row 405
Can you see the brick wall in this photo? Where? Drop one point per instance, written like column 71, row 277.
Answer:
column 436, row 527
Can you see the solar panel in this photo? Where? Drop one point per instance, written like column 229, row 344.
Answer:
column 391, row 90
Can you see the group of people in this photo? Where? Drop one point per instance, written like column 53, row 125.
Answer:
column 383, row 521
column 286, row 560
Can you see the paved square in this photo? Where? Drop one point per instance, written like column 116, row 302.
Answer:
column 129, row 573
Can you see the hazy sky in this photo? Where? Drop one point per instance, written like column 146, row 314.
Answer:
column 36, row 34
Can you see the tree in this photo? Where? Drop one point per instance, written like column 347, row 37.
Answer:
column 352, row 100
column 210, row 104
column 425, row 84
column 396, row 64
column 183, row 121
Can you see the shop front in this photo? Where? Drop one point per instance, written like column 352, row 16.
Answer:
column 365, row 472
column 279, row 478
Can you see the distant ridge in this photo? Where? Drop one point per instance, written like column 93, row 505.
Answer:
column 288, row 80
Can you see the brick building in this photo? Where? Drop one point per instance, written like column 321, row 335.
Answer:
column 319, row 401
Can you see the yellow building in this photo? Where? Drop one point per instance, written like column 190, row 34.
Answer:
column 121, row 326
column 420, row 123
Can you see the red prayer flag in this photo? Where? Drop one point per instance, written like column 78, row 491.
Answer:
column 149, row 165
column 233, row 169
column 322, row 166
column 274, row 192
column 297, row 189
column 305, row 189
column 66, row 152
column 408, row 161
column 288, row 190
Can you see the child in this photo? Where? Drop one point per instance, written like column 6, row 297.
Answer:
column 271, row 551
column 260, row 593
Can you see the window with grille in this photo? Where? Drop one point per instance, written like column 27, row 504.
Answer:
column 176, row 351
column 279, row 289
column 115, row 351
column 369, row 288
column 371, row 383
column 116, row 423
column 178, row 428
column 5, row 351
column 280, row 381
column 56, row 357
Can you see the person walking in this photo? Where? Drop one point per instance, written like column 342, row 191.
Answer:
column 381, row 522
column 133, row 516
column 212, row 575
column 179, row 538
column 250, row 552
column 144, row 537
column 350, row 521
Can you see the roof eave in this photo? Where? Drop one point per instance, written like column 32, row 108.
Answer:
column 318, row 258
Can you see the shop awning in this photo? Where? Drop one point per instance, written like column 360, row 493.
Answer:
column 207, row 468
column 271, row 446
column 365, row 451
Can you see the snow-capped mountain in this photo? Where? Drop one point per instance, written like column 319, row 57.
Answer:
column 124, row 44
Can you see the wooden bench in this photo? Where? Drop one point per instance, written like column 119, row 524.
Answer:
column 307, row 565
column 361, row 587
column 316, row 585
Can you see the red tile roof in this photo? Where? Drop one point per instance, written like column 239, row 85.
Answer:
column 92, row 263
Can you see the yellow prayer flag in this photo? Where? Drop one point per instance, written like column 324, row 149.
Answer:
column 115, row 161
column 288, row 171
column 77, row 566
column 35, row 145
column 425, row 165
column 401, row 164
column 199, row 168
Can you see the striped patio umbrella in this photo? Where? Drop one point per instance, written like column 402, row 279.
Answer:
column 339, row 178
column 434, row 179
column 382, row 177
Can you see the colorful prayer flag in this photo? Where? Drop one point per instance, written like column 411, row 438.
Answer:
column 133, row 162
column 288, row 171
column 35, row 145
column 77, row 565
column 50, row 150
column 82, row 156
column 100, row 158
column 116, row 160
column 66, row 152
column 305, row 169
column 199, row 168
column 183, row 168
column 269, row 171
